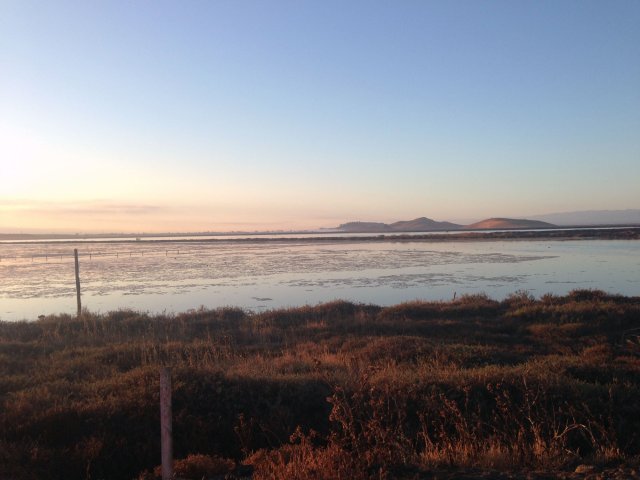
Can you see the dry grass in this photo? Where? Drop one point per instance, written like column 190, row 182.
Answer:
column 329, row 392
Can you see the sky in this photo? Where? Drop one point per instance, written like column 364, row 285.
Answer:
column 221, row 115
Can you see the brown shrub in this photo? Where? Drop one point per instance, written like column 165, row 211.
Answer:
column 198, row 466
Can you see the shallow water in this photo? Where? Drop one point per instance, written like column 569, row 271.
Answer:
column 39, row 278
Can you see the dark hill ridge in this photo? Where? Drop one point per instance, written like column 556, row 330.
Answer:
column 424, row 224
column 421, row 224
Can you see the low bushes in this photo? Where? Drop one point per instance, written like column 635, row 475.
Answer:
column 333, row 391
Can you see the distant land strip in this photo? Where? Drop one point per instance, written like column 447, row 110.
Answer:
column 599, row 233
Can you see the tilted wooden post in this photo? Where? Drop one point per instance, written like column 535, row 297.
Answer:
column 75, row 255
column 166, row 429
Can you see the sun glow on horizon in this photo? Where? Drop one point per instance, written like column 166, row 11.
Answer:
column 216, row 116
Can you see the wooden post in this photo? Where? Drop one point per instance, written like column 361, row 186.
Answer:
column 166, row 428
column 75, row 255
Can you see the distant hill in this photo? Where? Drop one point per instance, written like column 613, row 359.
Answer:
column 506, row 223
column 422, row 224
column 593, row 217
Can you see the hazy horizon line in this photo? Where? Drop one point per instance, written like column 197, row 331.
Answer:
column 254, row 227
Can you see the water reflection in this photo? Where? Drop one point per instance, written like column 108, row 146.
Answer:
column 39, row 278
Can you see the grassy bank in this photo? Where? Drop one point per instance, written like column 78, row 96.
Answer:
column 333, row 391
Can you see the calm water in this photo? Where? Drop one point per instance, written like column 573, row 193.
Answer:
column 39, row 278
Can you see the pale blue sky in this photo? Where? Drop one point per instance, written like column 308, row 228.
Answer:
column 218, row 115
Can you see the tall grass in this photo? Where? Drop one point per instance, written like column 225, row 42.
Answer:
column 337, row 390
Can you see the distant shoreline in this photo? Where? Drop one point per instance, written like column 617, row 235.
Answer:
column 570, row 233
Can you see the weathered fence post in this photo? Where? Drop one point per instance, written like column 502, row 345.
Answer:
column 166, row 440
column 75, row 255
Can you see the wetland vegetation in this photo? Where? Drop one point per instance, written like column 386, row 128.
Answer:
column 333, row 391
